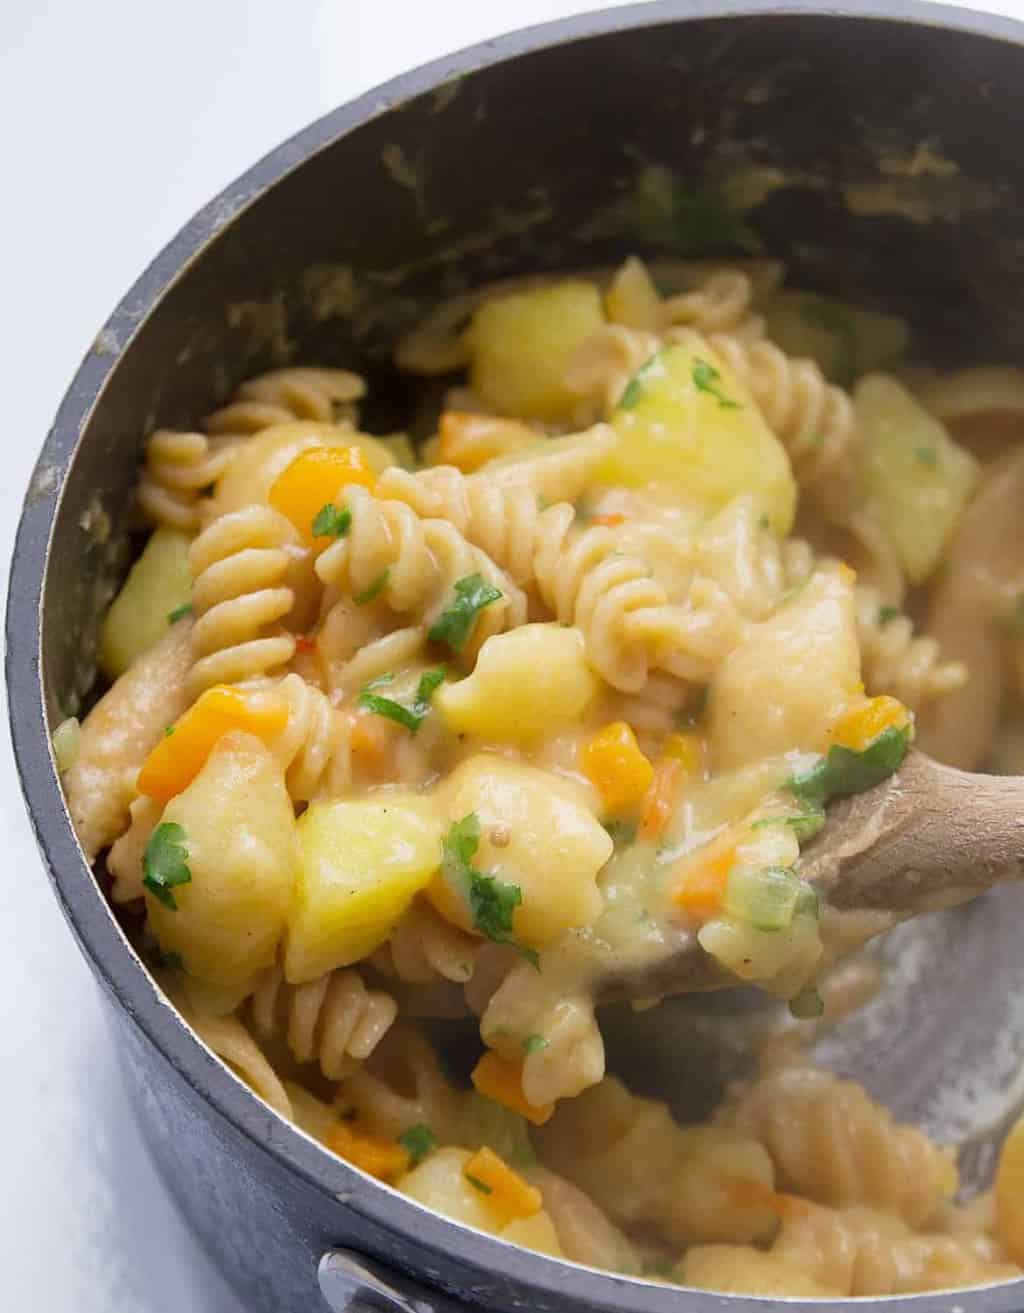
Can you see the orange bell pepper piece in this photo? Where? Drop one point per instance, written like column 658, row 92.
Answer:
column 314, row 479
column 505, row 1190
column 468, row 441
column 384, row 1159
column 704, row 875
column 181, row 754
column 611, row 521
column 496, row 1078
column 613, row 762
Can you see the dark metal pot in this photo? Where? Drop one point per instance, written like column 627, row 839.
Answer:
column 493, row 160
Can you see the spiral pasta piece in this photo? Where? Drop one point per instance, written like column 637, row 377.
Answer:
column 240, row 595
column 832, row 1143
column 425, row 948
column 315, row 744
column 897, row 661
column 721, row 304
column 178, row 467
column 404, row 1085
column 859, row 1251
column 334, row 1021
column 584, row 578
column 286, row 394
column 419, row 562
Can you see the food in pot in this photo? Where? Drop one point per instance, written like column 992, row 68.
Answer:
column 473, row 725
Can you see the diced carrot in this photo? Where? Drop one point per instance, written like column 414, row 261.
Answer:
column 305, row 643
column 181, row 754
column 498, row 1079
column 703, row 877
column 613, row 762
column 1010, row 1193
column 610, row 521
column 371, row 740
column 660, row 799
column 468, row 441
column 314, row 479
column 744, row 1193
column 504, row 1190
column 858, row 727
column 384, row 1159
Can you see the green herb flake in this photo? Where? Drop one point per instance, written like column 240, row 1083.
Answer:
column 807, row 1005
column 621, row 833
column 454, row 625
column 492, row 902
column 179, row 613
column 764, row 521
column 374, row 590
column 927, row 455
column 805, row 825
column 168, row 731
column 165, row 864
column 845, row 771
column 477, row 1184
column 411, row 718
column 332, row 521
column 887, row 614
column 633, row 392
column 706, row 378
column 534, row 1044
column 419, row 1142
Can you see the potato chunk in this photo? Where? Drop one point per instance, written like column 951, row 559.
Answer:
column 786, row 684
column 687, row 422
column 360, row 865
column 920, row 478
column 239, row 841
column 158, row 584
column 538, row 833
column 532, row 681
column 520, row 347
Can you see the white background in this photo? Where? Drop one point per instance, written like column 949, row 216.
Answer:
column 119, row 119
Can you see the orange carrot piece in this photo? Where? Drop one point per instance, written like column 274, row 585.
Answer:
column 700, row 892
column 384, row 1159
column 660, row 799
column 504, row 1190
column 498, row 1079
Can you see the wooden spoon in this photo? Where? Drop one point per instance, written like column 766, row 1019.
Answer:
column 929, row 837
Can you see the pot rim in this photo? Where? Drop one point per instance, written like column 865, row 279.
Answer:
column 90, row 917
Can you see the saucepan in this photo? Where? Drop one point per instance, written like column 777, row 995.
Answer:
column 876, row 148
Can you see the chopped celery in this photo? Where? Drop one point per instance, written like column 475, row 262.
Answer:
column 763, row 897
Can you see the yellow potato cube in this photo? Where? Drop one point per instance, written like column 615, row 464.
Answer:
column 528, row 683
column 520, row 347
column 158, row 584
column 686, row 421
column 360, row 865
column 844, row 340
column 785, row 686
column 538, row 833
column 239, row 841
column 919, row 477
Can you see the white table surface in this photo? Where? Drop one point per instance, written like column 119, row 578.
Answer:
column 120, row 118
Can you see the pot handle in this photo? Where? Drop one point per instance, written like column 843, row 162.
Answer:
column 352, row 1283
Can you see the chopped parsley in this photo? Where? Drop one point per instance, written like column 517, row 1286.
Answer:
column 165, row 864
column 927, row 455
column 887, row 613
column 332, row 521
column 179, row 613
column 622, row 833
column 764, row 521
column 845, row 771
column 632, row 393
column 805, row 825
column 168, row 731
column 454, row 625
column 411, row 717
column 375, row 589
column 477, row 1184
column 492, row 902
column 706, row 378
column 534, row 1044
column 419, row 1142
